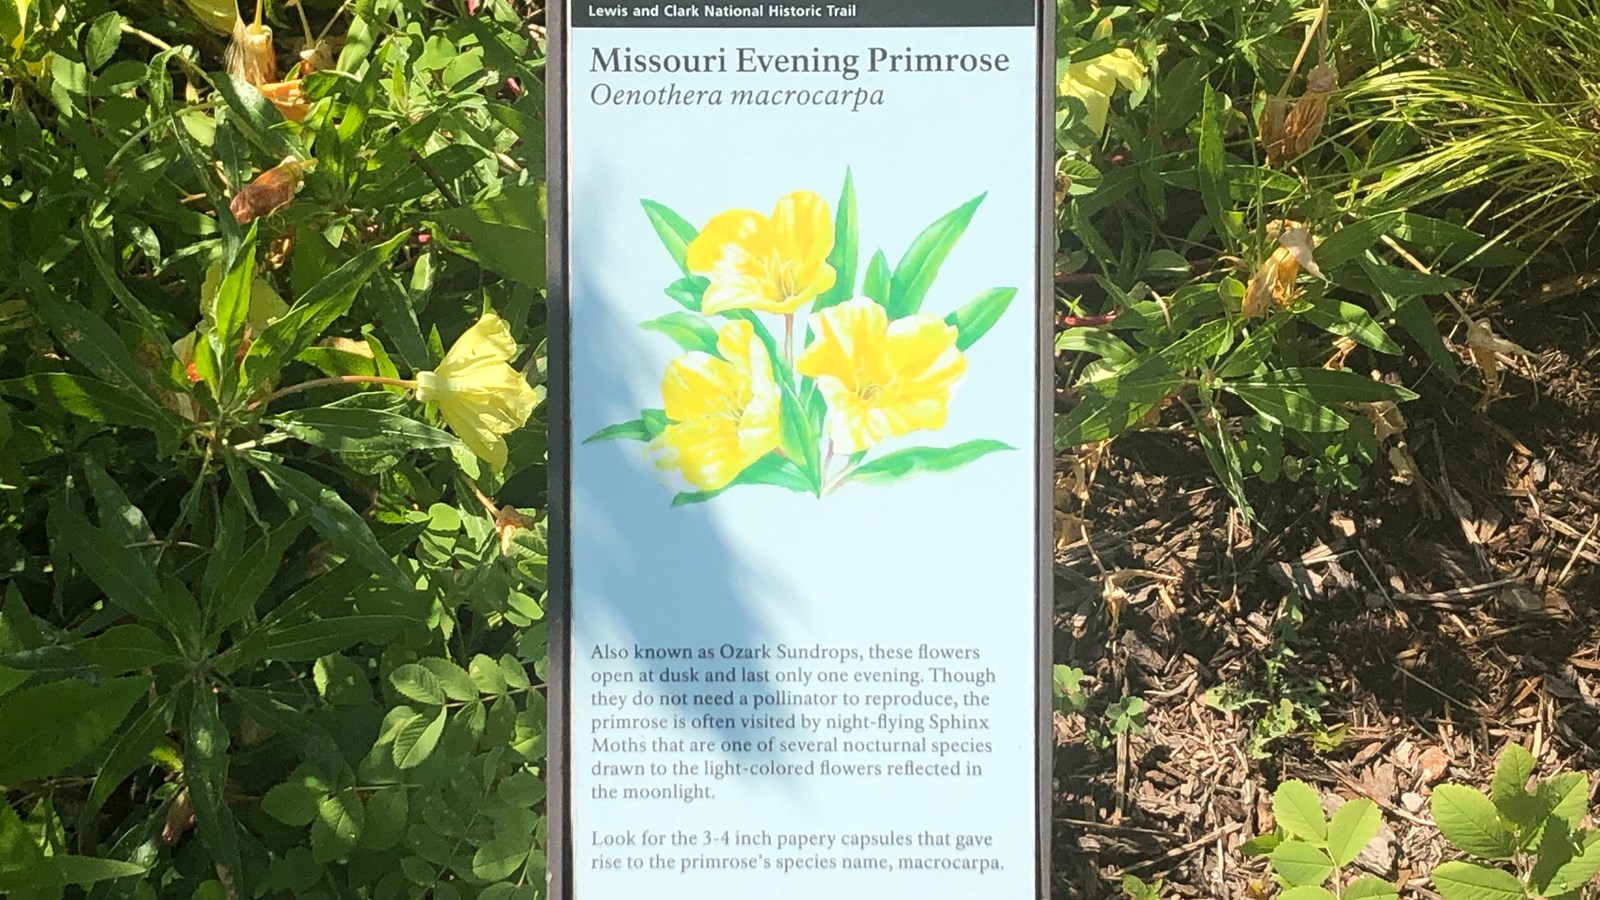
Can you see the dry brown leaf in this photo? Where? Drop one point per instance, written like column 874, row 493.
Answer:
column 270, row 191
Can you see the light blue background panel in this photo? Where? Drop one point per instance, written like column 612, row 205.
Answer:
column 946, row 560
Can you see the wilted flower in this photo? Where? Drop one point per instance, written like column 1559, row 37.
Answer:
column 1273, row 283
column 250, row 55
column 1093, row 81
column 270, row 190
column 477, row 392
column 1288, row 132
column 286, row 96
column 1484, row 347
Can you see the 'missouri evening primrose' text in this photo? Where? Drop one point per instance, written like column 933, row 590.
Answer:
column 694, row 89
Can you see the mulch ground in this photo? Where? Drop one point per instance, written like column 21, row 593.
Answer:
column 1373, row 645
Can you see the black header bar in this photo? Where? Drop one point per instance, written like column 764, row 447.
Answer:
column 802, row 13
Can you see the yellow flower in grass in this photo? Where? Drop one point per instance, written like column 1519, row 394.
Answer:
column 1093, row 81
column 772, row 264
column 477, row 392
column 724, row 410
column 881, row 379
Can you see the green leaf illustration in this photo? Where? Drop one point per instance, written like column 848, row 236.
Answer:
column 875, row 284
column 772, row 470
column 675, row 232
column 846, row 241
column 918, row 268
column 903, row 464
column 690, row 332
column 689, row 291
column 974, row 320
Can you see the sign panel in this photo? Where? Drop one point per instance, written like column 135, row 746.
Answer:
column 800, row 456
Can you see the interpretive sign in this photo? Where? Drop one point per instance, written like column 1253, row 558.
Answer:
column 800, row 349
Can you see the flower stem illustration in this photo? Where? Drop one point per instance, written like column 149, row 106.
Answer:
column 743, row 407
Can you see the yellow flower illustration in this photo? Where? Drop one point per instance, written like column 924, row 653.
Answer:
column 725, row 411
column 477, row 392
column 775, row 264
column 881, row 379
column 1093, row 81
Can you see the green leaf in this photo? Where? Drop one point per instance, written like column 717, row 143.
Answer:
column 94, row 343
column 1567, row 796
column 292, row 803
column 846, row 244
column 129, row 749
column 1469, row 820
column 1511, row 774
column 1353, row 826
column 498, row 859
column 255, row 116
column 1097, row 418
column 337, row 827
column 55, row 872
column 1300, row 864
column 918, row 268
column 387, row 815
column 416, row 739
column 1397, row 282
column 1577, row 872
column 102, row 41
column 230, row 313
column 332, row 518
column 453, row 679
column 314, row 639
column 416, row 682
column 352, row 430
column 1369, row 888
column 974, row 320
column 205, row 770
column 1308, row 892
column 312, row 315
column 1353, row 240
column 506, row 231
column 675, row 232
column 1471, row 881
column 249, row 575
column 1298, row 810
column 88, row 398
column 124, row 575
column 689, row 331
column 1306, row 399
column 485, row 675
column 875, row 284
column 46, row 728
column 1212, row 171
column 903, row 464
column 1351, row 321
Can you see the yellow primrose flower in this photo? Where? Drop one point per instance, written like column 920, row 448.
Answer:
column 477, row 392
column 775, row 264
column 1094, row 80
column 881, row 379
column 724, row 410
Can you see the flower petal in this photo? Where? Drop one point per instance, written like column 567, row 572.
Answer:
column 705, row 451
column 850, row 344
column 487, row 341
column 697, row 385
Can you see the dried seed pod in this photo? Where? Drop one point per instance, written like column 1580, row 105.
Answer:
column 270, row 191
column 217, row 15
column 1272, row 127
column 286, row 96
column 250, row 56
column 1304, row 124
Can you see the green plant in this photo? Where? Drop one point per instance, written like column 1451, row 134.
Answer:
column 1309, row 852
column 1135, row 888
column 1527, row 839
column 1068, row 688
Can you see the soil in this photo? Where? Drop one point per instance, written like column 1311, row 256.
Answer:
column 1373, row 645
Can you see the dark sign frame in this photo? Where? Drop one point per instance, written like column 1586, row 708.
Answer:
column 558, row 839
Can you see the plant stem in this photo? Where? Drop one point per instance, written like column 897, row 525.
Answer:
column 788, row 340
column 342, row 379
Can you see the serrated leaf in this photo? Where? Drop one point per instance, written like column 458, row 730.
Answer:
column 416, row 739
column 292, row 803
column 1578, row 871
column 513, row 672
column 416, row 682
column 1298, row 810
column 1369, row 888
column 485, row 674
column 337, row 828
column 1511, row 774
column 1353, row 826
column 1470, row 821
column 1308, row 892
column 456, row 682
column 1567, row 795
column 499, row 858
column 1300, row 864
column 1470, row 881
column 387, row 814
